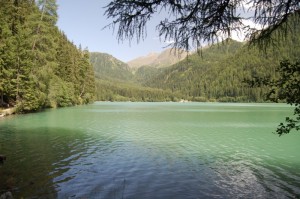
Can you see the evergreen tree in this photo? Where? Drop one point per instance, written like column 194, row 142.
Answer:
column 39, row 67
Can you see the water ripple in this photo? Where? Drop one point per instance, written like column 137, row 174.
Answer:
column 150, row 150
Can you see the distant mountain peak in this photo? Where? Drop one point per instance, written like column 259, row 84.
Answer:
column 165, row 58
column 152, row 54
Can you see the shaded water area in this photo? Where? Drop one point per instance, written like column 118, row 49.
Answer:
column 151, row 150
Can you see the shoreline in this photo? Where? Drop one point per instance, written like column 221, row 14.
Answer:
column 7, row 112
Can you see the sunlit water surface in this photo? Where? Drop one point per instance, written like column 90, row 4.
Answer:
column 149, row 151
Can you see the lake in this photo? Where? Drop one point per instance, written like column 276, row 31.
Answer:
column 151, row 150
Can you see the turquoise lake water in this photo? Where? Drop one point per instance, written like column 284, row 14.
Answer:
column 151, row 150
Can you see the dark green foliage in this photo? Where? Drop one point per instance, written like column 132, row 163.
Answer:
column 121, row 91
column 146, row 73
column 39, row 67
column 287, row 88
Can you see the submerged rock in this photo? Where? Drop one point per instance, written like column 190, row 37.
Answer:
column 2, row 158
column 7, row 195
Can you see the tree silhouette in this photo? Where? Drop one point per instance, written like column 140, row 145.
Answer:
column 287, row 88
column 192, row 23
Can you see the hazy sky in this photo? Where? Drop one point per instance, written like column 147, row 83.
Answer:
column 83, row 21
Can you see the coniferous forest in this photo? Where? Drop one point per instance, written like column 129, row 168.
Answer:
column 39, row 66
column 223, row 72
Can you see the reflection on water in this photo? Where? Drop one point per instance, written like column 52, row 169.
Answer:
column 35, row 156
column 150, row 150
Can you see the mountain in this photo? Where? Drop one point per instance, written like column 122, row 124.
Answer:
column 143, row 61
column 107, row 67
column 222, row 70
column 166, row 58
column 115, row 81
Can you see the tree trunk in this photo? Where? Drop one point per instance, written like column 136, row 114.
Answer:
column 39, row 25
column 18, row 80
column 2, row 101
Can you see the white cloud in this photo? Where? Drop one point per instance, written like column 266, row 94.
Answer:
column 169, row 41
column 247, row 4
column 251, row 24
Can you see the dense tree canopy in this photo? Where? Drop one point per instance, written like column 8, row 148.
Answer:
column 39, row 66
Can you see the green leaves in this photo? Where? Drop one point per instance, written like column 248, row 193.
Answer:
column 287, row 88
column 288, row 82
column 39, row 66
column 61, row 93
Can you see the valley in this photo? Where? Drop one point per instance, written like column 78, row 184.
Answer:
column 220, row 72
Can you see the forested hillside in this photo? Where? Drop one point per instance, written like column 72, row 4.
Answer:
column 39, row 66
column 115, row 81
column 222, row 70
column 107, row 67
column 124, row 91
column 220, row 73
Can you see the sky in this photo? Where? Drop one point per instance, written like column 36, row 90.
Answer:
column 83, row 22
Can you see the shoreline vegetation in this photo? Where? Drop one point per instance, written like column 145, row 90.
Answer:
column 39, row 66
